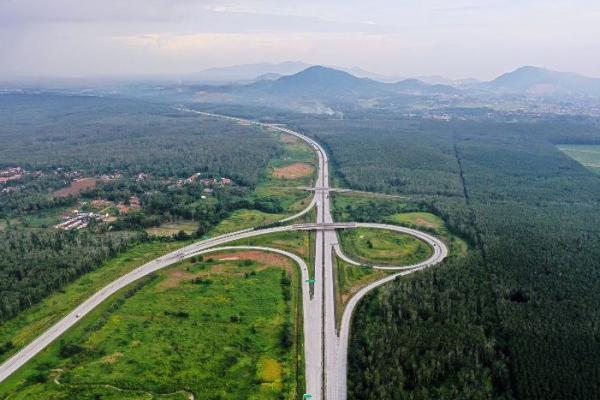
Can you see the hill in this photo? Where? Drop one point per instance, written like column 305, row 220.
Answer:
column 540, row 81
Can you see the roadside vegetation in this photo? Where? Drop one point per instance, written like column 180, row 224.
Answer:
column 349, row 279
column 222, row 326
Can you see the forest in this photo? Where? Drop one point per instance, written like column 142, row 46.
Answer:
column 516, row 318
column 36, row 263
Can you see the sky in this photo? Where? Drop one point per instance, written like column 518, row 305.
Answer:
column 456, row 39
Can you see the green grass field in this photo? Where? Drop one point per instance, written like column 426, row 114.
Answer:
column 587, row 155
column 222, row 328
column 377, row 246
column 30, row 323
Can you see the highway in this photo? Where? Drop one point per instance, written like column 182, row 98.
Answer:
column 325, row 352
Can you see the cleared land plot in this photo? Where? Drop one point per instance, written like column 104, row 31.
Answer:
column 377, row 246
column 30, row 323
column 76, row 187
column 295, row 166
column 213, row 328
column 293, row 171
column 587, row 155
column 173, row 228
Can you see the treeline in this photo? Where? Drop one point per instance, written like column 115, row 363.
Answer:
column 37, row 263
column 519, row 317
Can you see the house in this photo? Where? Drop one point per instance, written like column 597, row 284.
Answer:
column 134, row 201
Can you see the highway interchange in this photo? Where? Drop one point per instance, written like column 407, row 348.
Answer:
column 325, row 349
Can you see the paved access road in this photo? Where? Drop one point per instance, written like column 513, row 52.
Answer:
column 325, row 350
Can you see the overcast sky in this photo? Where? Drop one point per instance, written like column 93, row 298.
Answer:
column 457, row 39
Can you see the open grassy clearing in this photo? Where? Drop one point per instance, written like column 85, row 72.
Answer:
column 42, row 218
column 291, row 199
column 377, row 246
column 170, row 229
column 242, row 219
column 30, row 323
column 587, row 155
column 223, row 327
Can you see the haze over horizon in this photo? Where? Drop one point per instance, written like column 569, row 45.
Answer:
column 475, row 39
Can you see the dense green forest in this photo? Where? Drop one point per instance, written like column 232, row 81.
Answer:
column 518, row 317
column 36, row 263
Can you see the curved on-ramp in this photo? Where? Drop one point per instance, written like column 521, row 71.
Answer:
column 440, row 252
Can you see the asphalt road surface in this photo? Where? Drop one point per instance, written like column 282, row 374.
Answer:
column 325, row 350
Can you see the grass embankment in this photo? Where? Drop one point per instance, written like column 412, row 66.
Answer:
column 349, row 279
column 378, row 246
column 32, row 322
column 219, row 328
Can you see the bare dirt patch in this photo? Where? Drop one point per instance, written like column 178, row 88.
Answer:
column 293, row 171
column 174, row 278
column 77, row 187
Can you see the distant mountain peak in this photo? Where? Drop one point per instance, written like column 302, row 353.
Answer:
column 541, row 81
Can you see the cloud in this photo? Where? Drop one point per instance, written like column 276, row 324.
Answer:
column 464, row 37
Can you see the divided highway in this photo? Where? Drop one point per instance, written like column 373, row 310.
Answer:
column 325, row 350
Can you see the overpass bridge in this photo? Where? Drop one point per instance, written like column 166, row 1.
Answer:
column 324, row 226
